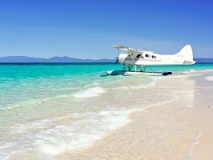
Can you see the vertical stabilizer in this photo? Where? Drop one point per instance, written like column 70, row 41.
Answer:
column 186, row 54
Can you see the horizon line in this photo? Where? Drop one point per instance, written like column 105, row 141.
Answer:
column 85, row 58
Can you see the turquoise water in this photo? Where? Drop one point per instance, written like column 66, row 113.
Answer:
column 19, row 83
column 47, row 109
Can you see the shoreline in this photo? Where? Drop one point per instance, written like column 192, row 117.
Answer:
column 200, row 116
column 131, row 142
column 172, row 127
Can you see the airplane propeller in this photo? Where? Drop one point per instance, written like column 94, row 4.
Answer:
column 116, row 60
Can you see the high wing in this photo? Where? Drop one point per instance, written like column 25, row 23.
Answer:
column 133, row 52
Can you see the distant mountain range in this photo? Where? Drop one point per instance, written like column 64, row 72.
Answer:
column 24, row 59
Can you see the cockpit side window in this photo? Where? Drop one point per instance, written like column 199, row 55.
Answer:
column 138, row 56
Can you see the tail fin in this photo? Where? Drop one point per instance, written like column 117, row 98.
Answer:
column 187, row 54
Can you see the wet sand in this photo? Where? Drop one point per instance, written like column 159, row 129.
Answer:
column 178, row 130
column 201, row 117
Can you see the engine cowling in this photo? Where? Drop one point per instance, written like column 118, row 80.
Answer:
column 122, row 57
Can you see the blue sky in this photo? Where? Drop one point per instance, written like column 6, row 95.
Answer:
column 89, row 28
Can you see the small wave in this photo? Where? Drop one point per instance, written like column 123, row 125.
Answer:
column 189, row 71
column 52, row 136
column 195, row 143
column 197, row 71
column 192, row 70
column 139, row 86
column 33, row 102
column 186, row 72
column 151, row 84
column 210, row 78
column 89, row 92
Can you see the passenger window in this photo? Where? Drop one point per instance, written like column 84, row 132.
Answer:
column 147, row 55
column 154, row 57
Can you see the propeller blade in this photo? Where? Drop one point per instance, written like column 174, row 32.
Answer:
column 116, row 61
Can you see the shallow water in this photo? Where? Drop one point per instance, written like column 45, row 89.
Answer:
column 48, row 109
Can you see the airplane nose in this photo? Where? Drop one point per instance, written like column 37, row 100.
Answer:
column 121, row 57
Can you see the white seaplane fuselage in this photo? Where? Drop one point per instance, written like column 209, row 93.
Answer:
column 137, row 59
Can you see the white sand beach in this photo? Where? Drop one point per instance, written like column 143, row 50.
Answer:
column 177, row 130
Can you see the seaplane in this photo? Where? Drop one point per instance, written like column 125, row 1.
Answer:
column 135, row 61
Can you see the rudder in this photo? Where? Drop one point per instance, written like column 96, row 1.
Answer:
column 186, row 53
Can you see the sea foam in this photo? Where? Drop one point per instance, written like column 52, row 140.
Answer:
column 89, row 92
column 210, row 78
column 52, row 136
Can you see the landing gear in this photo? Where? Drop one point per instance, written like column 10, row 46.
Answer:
column 136, row 68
